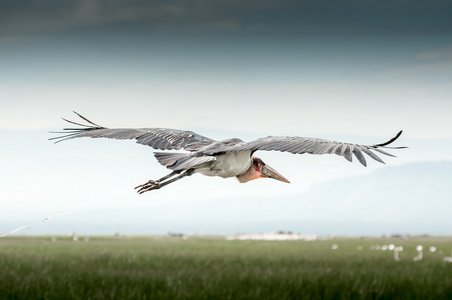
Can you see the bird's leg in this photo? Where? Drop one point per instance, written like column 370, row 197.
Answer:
column 156, row 184
column 168, row 176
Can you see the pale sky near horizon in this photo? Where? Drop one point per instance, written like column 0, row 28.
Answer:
column 358, row 70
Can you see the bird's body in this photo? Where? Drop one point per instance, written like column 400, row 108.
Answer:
column 227, row 165
column 227, row 158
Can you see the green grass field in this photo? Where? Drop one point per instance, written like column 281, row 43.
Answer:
column 202, row 268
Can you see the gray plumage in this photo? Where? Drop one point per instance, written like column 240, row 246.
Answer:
column 174, row 139
column 157, row 138
column 227, row 158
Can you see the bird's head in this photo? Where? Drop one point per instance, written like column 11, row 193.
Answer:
column 259, row 169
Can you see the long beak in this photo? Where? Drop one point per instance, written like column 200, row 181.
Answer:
column 269, row 172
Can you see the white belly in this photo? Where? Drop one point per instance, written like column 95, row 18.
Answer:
column 228, row 165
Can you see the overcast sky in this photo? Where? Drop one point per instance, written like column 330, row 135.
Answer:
column 337, row 70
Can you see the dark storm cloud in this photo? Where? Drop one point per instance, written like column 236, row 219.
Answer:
column 189, row 38
column 246, row 17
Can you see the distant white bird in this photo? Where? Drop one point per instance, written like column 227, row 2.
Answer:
column 396, row 252
column 227, row 158
column 419, row 253
column 448, row 258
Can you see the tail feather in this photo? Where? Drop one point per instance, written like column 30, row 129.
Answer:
column 168, row 159
column 180, row 161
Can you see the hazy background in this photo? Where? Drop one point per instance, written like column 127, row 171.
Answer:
column 355, row 71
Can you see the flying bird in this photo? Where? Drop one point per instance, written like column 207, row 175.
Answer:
column 228, row 158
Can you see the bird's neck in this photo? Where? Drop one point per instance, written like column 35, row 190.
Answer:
column 251, row 174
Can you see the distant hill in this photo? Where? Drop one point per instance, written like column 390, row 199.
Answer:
column 415, row 197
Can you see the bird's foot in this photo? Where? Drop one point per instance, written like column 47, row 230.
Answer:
column 148, row 186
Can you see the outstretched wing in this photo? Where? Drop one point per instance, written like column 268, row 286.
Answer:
column 300, row 145
column 157, row 138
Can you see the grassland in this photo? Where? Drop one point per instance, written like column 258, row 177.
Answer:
column 201, row 268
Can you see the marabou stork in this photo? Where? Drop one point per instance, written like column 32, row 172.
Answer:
column 228, row 158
